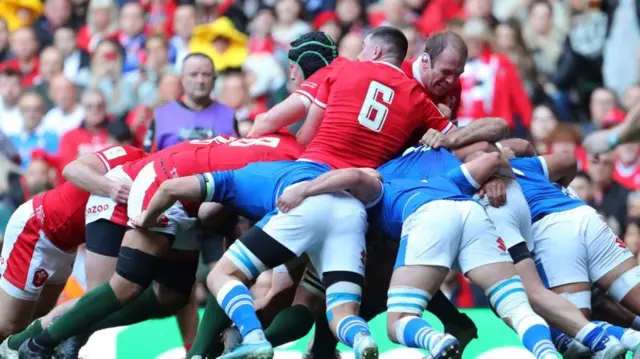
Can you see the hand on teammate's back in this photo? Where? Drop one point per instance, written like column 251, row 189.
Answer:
column 119, row 190
column 436, row 139
column 292, row 197
column 496, row 191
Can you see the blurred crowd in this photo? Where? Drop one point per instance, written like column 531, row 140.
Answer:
column 78, row 75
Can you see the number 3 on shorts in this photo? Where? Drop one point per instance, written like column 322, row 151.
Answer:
column 373, row 112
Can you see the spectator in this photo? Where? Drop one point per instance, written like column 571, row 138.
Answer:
column 160, row 16
column 32, row 137
column 92, row 134
column 352, row 16
column 412, row 38
column 264, row 76
column 10, row 91
column 25, row 48
column 5, row 52
column 609, row 197
column 394, row 13
column 510, row 42
column 8, row 152
column 184, row 22
column 102, row 23
column 567, row 138
column 138, row 120
column 156, row 66
column 542, row 37
column 583, row 187
column 260, row 28
column 627, row 166
column 490, row 83
column 621, row 53
column 75, row 59
column 328, row 22
column 235, row 94
column 631, row 97
column 68, row 114
column 207, row 11
column 543, row 121
column 632, row 234
column 229, row 48
column 119, row 134
column 105, row 74
column 603, row 101
column 289, row 24
column 350, row 46
column 437, row 13
column 40, row 176
column 131, row 36
column 57, row 13
column 201, row 117
column 51, row 65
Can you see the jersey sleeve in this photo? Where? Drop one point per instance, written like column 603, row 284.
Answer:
column 433, row 118
column 530, row 164
column 217, row 186
column 461, row 177
column 118, row 155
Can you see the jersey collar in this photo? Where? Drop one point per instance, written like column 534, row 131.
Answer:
column 415, row 69
column 388, row 64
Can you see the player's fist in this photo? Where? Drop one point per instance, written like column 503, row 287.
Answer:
column 597, row 142
column 119, row 190
column 259, row 127
column 496, row 191
column 292, row 197
column 435, row 139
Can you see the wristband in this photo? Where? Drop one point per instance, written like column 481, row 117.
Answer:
column 613, row 140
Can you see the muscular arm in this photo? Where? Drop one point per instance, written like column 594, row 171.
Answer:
column 311, row 124
column 87, row 173
column 178, row 189
column 520, row 147
column 605, row 140
column 364, row 184
column 481, row 166
column 292, row 109
column 490, row 129
column 562, row 167
column 483, row 146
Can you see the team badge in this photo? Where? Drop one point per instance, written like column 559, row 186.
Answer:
column 40, row 277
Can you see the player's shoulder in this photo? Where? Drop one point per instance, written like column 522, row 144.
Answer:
column 113, row 152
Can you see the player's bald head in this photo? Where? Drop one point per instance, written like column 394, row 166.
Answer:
column 386, row 43
column 437, row 43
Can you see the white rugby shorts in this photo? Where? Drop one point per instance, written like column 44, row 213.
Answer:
column 99, row 207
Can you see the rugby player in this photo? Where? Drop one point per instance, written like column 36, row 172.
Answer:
column 146, row 254
column 41, row 240
column 437, row 221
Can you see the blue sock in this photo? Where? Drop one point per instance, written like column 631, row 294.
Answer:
column 593, row 337
column 560, row 340
column 537, row 339
column 350, row 327
column 613, row 330
column 235, row 298
column 415, row 332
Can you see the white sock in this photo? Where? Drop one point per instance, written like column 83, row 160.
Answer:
column 584, row 331
column 630, row 339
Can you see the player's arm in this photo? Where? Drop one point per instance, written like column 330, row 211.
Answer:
column 483, row 146
column 178, row 189
column 559, row 167
column 519, row 146
column 87, row 173
column 480, row 167
column 311, row 125
column 363, row 183
column 606, row 140
column 287, row 112
column 489, row 129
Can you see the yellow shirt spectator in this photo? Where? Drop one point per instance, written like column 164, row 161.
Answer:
column 222, row 42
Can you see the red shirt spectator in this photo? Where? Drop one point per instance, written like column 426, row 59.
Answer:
column 25, row 46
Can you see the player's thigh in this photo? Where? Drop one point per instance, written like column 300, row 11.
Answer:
column 212, row 247
column 48, row 299
column 607, row 254
column 343, row 249
column 431, row 236
column 560, row 252
column 104, row 239
column 483, row 255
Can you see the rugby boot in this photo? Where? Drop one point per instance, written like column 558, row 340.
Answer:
column 366, row 348
column 31, row 350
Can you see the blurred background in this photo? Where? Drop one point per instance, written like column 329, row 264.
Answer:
column 79, row 75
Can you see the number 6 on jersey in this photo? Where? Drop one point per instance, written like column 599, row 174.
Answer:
column 373, row 113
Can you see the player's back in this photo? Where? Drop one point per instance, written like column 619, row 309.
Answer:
column 420, row 162
column 229, row 156
column 253, row 190
column 371, row 110
column 542, row 196
column 402, row 197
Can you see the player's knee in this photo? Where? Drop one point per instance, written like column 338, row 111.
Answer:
column 136, row 267
column 404, row 302
column 170, row 300
column 344, row 293
column 510, row 302
column 624, row 284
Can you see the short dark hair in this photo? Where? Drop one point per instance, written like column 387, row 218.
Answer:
column 438, row 42
column 394, row 40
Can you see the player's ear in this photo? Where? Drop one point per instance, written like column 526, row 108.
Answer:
column 426, row 59
column 377, row 52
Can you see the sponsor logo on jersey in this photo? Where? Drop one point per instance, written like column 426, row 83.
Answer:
column 501, row 245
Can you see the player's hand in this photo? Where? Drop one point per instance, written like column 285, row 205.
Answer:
column 597, row 142
column 496, row 191
column 291, row 198
column 119, row 190
column 507, row 153
column 446, row 111
column 259, row 127
column 144, row 220
column 436, row 139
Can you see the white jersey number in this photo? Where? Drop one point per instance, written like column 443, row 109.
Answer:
column 208, row 141
column 262, row 141
column 373, row 112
